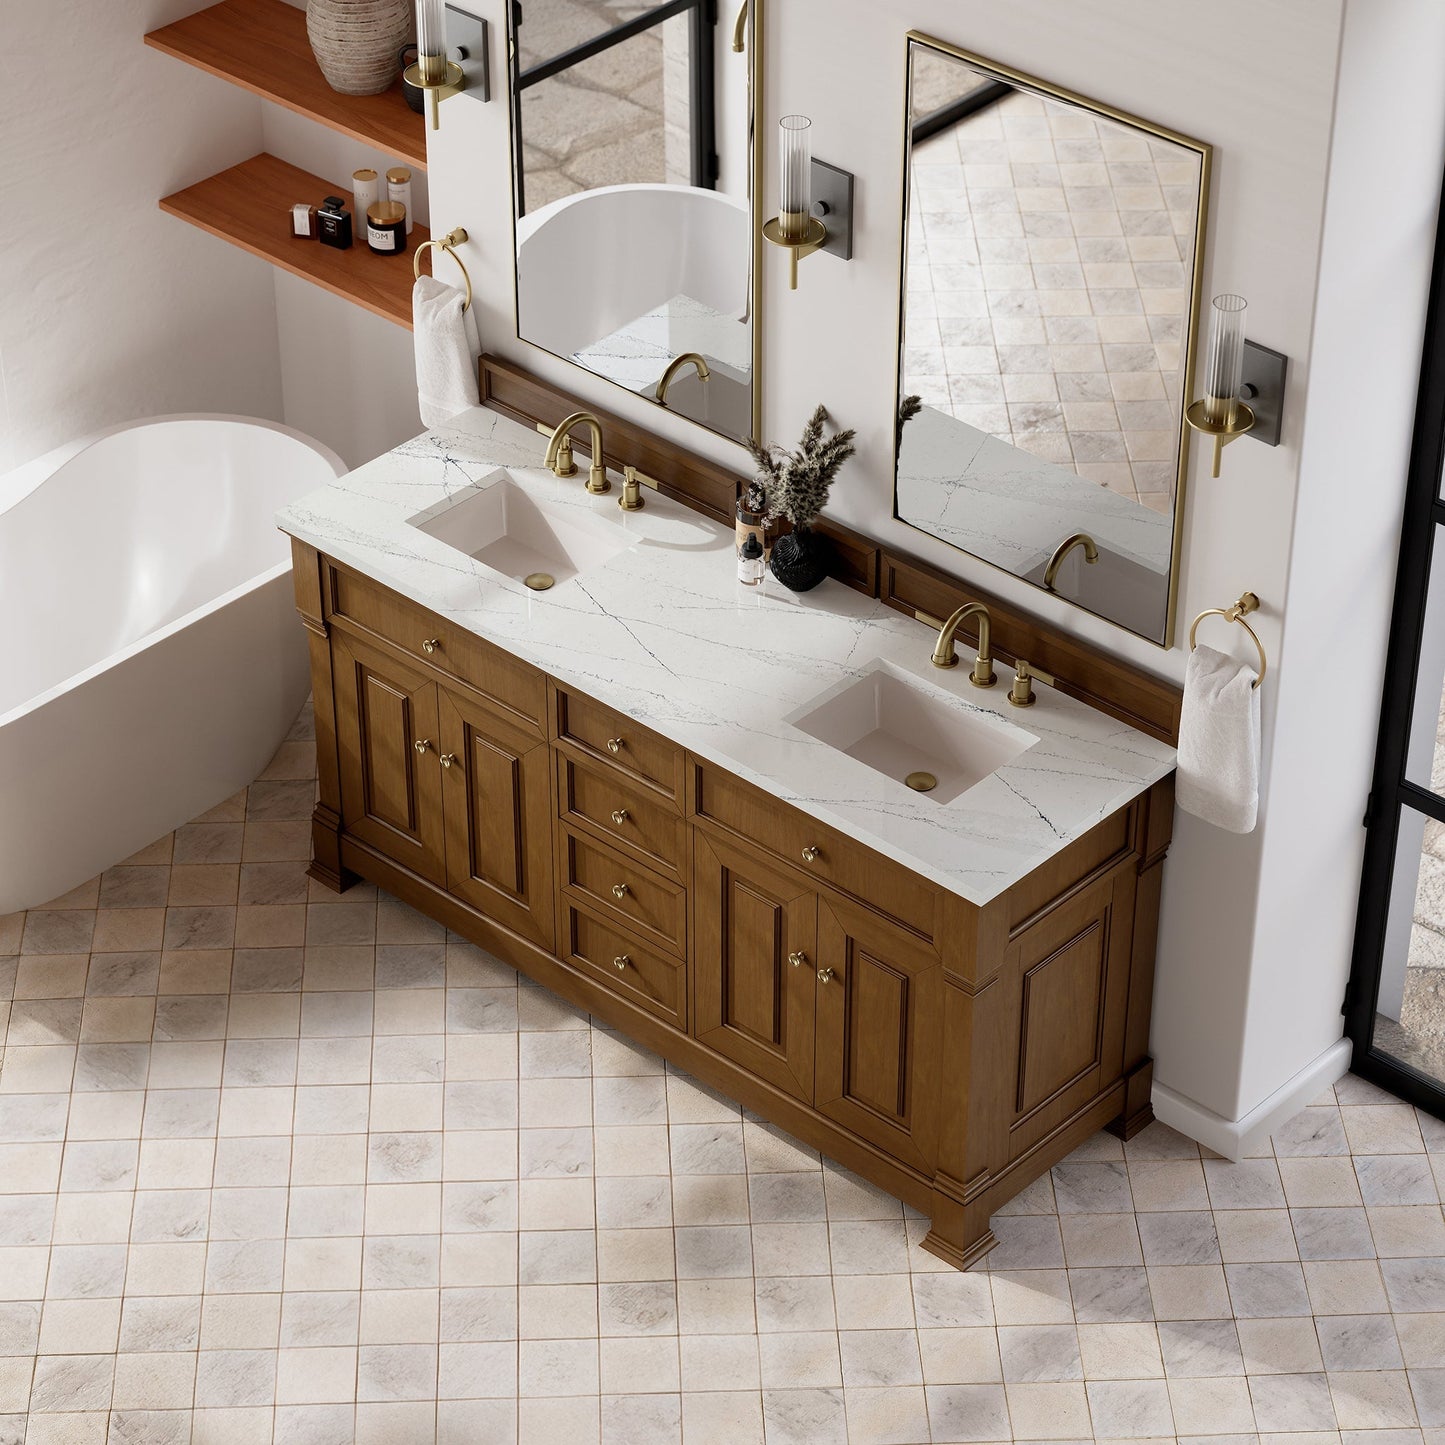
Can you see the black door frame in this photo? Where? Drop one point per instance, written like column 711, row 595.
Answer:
column 1424, row 517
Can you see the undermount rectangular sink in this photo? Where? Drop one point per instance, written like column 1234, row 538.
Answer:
column 508, row 530
column 903, row 728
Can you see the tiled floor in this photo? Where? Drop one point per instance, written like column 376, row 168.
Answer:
column 277, row 1165
column 1048, row 282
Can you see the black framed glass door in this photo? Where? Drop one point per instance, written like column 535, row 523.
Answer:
column 1395, row 1006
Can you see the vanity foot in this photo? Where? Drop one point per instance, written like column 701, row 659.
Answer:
column 326, row 866
column 959, row 1257
column 1138, row 1111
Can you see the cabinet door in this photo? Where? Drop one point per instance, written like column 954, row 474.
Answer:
column 498, row 809
column 1068, row 974
column 390, row 782
column 879, row 1005
column 754, row 970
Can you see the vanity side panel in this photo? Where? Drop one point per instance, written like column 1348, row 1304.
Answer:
column 309, row 578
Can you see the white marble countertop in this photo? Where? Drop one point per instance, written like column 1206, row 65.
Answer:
column 664, row 632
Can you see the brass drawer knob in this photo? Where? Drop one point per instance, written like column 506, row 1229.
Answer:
column 619, row 890
column 422, row 744
column 619, row 816
column 615, row 745
column 621, row 962
column 797, row 959
column 447, row 759
column 825, row 975
column 810, row 854
column 430, row 645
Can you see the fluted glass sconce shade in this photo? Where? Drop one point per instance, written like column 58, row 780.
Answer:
column 1224, row 362
column 433, row 72
column 1220, row 413
column 795, row 136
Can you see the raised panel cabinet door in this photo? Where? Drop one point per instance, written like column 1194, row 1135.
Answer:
column 497, row 803
column 754, row 968
column 1070, row 976
column 879, row 1007
column 386, row 727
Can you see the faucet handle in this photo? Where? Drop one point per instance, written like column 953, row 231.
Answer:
column 1021, row 694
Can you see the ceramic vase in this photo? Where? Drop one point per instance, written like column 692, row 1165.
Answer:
column 355, row 42
column 800, row 560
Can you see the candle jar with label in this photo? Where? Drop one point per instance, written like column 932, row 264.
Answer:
column 386, row 228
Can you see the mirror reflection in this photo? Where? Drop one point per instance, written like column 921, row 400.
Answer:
column 632, row 166
column 1050, row 290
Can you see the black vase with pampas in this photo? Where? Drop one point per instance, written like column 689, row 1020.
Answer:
column 797, row 486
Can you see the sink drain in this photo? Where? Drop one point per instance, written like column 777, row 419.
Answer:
column 921, row 782
column 538, row 581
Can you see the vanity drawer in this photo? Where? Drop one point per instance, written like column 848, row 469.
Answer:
column 628, row 814
column 507, row 681
column 620, row 742
column 622, row 889
column 814, row 849
column 619, row 962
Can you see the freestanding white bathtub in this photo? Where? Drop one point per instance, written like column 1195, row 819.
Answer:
column 150, row 657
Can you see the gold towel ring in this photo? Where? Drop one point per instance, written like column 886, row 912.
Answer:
column 447, row 242
column 1246, row 604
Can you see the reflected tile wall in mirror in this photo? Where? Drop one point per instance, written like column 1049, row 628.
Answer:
column 632, row 165
column 1050, row 289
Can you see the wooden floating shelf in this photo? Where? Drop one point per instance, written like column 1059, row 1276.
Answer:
column 261, row 45
column 250, row 206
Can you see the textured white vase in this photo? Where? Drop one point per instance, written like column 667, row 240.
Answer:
column 355, row 42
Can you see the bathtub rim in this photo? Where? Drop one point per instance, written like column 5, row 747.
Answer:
column 67, row 453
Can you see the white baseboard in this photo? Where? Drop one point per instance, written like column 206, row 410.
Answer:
column 1233, row 1138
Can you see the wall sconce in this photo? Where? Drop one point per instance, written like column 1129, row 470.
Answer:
column 1243, row 383
column 435, row 71
column 816, row 201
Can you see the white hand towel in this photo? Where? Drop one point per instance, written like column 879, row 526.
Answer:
column 447, row 348
column 1218, row 776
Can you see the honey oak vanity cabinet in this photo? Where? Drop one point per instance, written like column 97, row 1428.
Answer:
column 946, row 1051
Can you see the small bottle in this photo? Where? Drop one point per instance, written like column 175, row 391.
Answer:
column 365, row 191
column 303, row 220
column 333, row 224
column 750, row 561
column 386, row 228
column 398, row 188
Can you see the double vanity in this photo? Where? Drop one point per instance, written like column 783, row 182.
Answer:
column 681, row 804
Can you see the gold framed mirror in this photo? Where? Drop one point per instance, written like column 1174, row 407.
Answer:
column 1048, row 308
column 634, row 165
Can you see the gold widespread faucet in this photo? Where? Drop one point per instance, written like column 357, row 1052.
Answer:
column 688, row 358
column 559, row 452
column 982, row 674
column 1078, row 539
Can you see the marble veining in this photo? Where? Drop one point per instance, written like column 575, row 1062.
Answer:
column 664, row 633
column 637, row 353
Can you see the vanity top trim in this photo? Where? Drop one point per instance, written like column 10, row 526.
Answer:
column 662, row 632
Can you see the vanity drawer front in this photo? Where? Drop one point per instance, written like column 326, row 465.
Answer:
column 629, row 815
column 814, row 849
column 623, row 890
column 620, row 742
column 521, row 690
column 619, row 962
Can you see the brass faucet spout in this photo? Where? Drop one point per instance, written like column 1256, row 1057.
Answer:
column 559, row 451
column 1077, row 539
column 674, row 367
column 982, row 674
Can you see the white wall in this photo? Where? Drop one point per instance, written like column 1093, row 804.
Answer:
column 109, row 309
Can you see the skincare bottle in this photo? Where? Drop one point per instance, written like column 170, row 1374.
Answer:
column 365, row 191
column 750, row 561
column 398, row 188
column 333, row 224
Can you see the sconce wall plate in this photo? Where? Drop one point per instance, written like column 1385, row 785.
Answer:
column 833, row 204
column 468, row 43
column 1263, row 389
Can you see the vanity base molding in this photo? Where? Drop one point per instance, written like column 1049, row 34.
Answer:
column 948, row 1053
